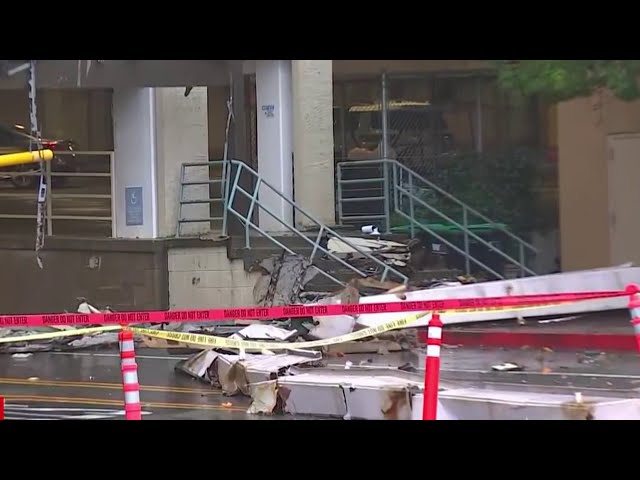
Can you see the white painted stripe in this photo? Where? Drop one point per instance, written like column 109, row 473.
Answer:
column 28, row 418
column 434, row 332
column 64, row 409
column 433, row 350
column 130, row 377
column 132, row 397
column 549, row 374
column 145, row 357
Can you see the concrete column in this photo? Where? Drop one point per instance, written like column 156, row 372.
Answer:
column 134, row 179
column 313, row 139
column 155, row 131
column 182, row 127
column 275, row 145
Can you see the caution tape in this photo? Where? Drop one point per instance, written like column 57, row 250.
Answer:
column 62, row 333
column 211, row 341
column 297, row 311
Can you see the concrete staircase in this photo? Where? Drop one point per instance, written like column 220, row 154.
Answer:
column 262, row 248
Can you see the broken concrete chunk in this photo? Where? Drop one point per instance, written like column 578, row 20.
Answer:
column 197, row 365
column 264, row 396
column 258, row 331
column 369, row 245
column 507, row 367
column 371, row 395
column 283, row 279
column 94, row 340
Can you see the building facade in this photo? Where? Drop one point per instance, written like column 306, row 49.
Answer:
column 135, row 123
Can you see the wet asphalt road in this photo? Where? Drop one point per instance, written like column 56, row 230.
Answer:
column 86, row 385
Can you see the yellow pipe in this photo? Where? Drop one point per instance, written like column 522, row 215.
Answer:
column 25, row 157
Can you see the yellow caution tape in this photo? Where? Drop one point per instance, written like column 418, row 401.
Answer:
column 505, row 309
column 211, row 341
column 59, row 334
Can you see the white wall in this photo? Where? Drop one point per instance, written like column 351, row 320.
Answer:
column 206, row 278
column 182, row 136
column 275, row 140
column 135, row 158
column 155, row 132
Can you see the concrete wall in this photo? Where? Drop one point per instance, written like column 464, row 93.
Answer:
column 135, row 159
column 585, row 217
column 181, row 136
column 127, row 275
column 206, row 278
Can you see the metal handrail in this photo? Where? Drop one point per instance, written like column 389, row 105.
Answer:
column 209, row 181
column 397, row 190
column 316, row 244
column 56, row 194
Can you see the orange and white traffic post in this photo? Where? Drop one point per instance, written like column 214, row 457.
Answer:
column 130, row 385
column 432, row 368
column 634, row 310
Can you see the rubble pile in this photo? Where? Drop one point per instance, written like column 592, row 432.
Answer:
column 68, row 343
column 267, row 377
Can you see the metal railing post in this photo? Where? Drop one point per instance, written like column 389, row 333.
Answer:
column 522, row 261
column 411, row 211
column 394, row 170
column 48, row 202
column 339, row 192
column 254, row 198
column 387, row 210
column 384, row 120
column 465, row 225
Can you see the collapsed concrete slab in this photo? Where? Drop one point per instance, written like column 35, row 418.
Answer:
column 606, row 279
column 487, row 404
column 382, row 394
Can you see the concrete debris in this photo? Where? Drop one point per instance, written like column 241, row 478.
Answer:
column 333, row 326
column 606, row 279
column 507, row 367
column 392, row 253
column 284, row 277
column 103, row 339
column 264, row 396
column 259, row 331
column 373, row 394
column 21, row 355
column 234, row 375
column 488, row 404
column 68, row 343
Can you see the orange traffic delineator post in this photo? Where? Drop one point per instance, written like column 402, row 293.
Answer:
column 432, row 368
column 634, row 310
column 130, row 384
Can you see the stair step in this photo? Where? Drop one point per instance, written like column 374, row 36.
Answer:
column 198, row 202
column 200, row 220
column 202, row 182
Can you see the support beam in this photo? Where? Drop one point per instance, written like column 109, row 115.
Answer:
column 313, row 138
column 155, row 131
column 275, row 145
